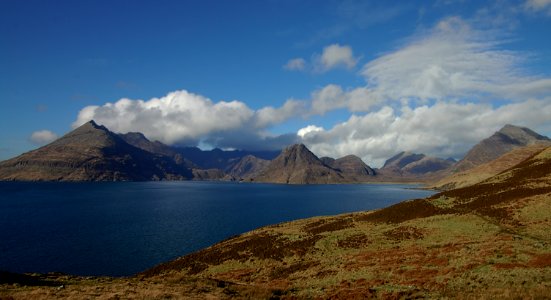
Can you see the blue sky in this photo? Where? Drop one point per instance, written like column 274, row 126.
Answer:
column 370, row 78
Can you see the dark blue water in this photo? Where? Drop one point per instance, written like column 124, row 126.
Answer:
column 122, row 228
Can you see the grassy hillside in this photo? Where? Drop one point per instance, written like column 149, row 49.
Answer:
column 490, row 240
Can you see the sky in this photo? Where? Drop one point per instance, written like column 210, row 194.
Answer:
column 370, row 78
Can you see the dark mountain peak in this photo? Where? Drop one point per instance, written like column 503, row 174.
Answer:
column 89, row 126
column 296, row 147
column 521, row 135
column 298, row 165
column 88, row 135
column 91, row 153
column 299, row 154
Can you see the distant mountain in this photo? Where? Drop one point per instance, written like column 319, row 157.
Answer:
column 91, row 153
column 350, row 166
column 297, row 165
column 247, row 167
column 407, row 164
column 213, row 164
column 506, row 139
column 220, row 159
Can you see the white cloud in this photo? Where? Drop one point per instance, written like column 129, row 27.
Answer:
column 453, row 61
column 538, row 5
column 185, row 118
column 335, row 56
column 267, row 116
column 295, row 64
column 333, row 97
column 443, row 129
column 332, row 57
column 308, row 129
column 42, row 137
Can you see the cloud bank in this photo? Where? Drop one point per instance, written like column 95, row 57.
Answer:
column 436, row 94
column 42, row 137
column 443, row 129
column 454, row 61
column 185, row 118
column 439, row 93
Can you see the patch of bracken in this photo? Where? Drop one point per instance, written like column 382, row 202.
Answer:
column 541, row 261
column 530, row 169
column 404, row 211
column 259, row 246
column 404, row 233
column 286, row 271
column 353, row 242
column 328, row 226
column 482, row 198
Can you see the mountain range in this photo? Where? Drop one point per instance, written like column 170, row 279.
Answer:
column 486, row 240
column 92, row 152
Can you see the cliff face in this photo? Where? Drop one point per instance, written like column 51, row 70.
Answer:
column 91, row 153
column 297, row 165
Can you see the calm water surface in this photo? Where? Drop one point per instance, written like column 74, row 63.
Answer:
column 121, row 228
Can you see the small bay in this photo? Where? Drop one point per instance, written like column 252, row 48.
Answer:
column 121, row 228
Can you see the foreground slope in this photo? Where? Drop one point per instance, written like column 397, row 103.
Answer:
column 91, row 153
column 489, row 240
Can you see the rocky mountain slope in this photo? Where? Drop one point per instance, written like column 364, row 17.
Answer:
column 486, row 241
column 487, row 170
column 91, row 153
column 506, row 139
column 297, row 165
